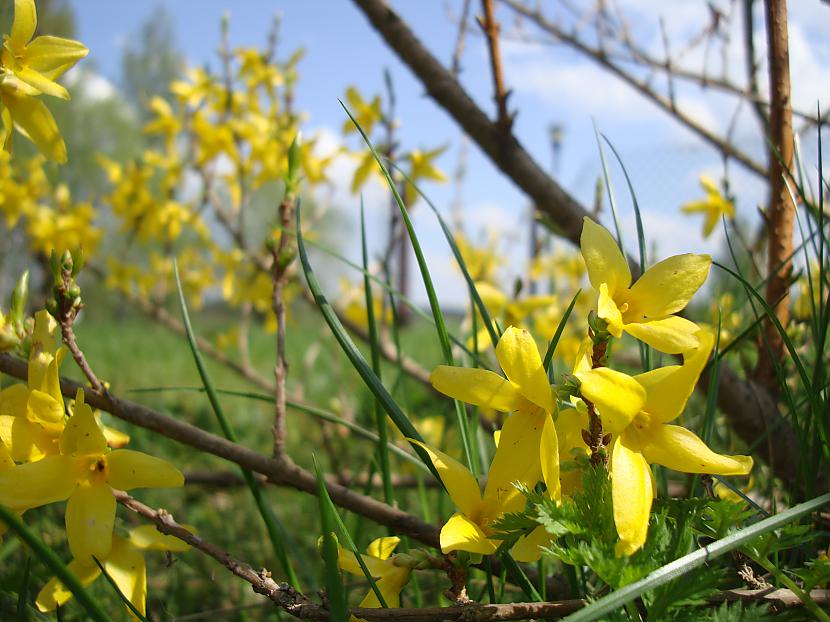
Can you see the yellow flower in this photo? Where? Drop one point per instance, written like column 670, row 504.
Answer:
column 389, row 577
column 30, row 67
column 84, row 473
column 366, row 113
column 125, row 564
column 422, row 166
column 645, row 309
column 713, row 207
column 636, row 411
column 527, row 452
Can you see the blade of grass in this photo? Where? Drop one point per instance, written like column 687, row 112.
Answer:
column 380, row 418
column 119, row 593
column 556, row 336
column 459, row 258
column 23, row 594
column 344, row 533
column 338, row 607
column 645, row 351
column 49, row 559
column 612, row 201
column 276, row 532
column 354, row 355
column 440, row 325
column 687, row 563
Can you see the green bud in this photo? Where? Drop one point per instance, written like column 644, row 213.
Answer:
column 67, row 261
column 292, row 175
column 52, row 308
column 55, row 265
column 73, row 292
column 19, row 297
column 79, row 261
column 598, row 326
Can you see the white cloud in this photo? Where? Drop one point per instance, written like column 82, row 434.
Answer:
column 92, row 86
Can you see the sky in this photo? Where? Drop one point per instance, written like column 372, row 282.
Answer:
column 550, row 85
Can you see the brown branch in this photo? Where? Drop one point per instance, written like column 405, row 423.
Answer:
column 599, row 56
column 282, row 472
column 231, row 479
column 490, row 27
column 283, row 256
column 781, row 212
column 739, row 398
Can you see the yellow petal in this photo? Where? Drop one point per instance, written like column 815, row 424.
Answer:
column 526, row 549
column 462, row 487
column 128, row 469
column 671, row 335
column 127, row 568
column 517, row 459
column 667, row 287
column 461, row 534
column 668, row 388
column 477, row 386
column 608, row 310
column 25, row 440
column 42, row 83
column 90, row 517
column 149, row 538
column 603, row 258
column 347, row 561
column 492, row 297
column 549, row 456
column 44, row 408
column 519, row 358
column 35, row 121
column 382, row 547
column 681, row 450
column 390, row 586
column 38, row 483
column 115, row 438
column 82, row 435
column 617, row 396
column 54, row 594
column 631, row 494
column 53, row 56
column 23, row 27
column 6, row 461
column 583, row 355
column 13, row 400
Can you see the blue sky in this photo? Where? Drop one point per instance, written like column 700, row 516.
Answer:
column 551, row 85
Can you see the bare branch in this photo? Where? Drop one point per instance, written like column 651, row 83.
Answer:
column 491, row 29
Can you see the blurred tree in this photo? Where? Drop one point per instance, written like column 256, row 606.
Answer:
column 151, row 61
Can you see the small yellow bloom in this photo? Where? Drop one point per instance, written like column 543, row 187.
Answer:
column 125, row 564
column 713, row 207
column 29, row 68
column 645, row 309
column 637, row 411
column 390, row 578
column 84, row 473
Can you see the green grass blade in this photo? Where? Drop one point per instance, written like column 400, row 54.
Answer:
column 559, row 329
column 338, row 607
column 354, row 355
column 440, row 325
column 380, row 418
column 685, row 564
column 23, row 594
column 276, row 532
column 612, row 200
column 459, row 258
column 49, row 559
column 809, row 604
column 119, row 593
column 344, row 533
column 645, row 351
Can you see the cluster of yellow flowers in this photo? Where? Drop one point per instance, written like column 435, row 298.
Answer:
column 635, row 411
column 47, row 456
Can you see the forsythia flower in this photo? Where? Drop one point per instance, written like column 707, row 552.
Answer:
column 29, row 68
column 125, row 564
column 645, row 309
column 84, row 473
column 713, row 207
column 527, row 448
column 389, row 577
column 636, row 411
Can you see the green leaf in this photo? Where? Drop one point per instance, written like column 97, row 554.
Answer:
column 354, row 355
column 687, row 563
column 555, row 341
column 338, row 608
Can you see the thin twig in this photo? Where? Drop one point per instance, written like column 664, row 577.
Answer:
column 491, row 29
